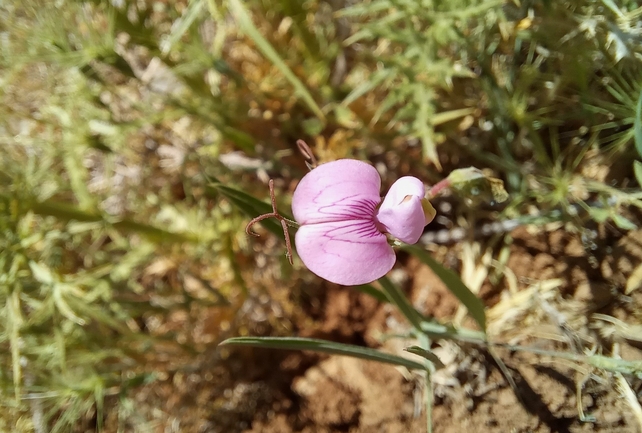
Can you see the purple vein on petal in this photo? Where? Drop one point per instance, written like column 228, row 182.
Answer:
column 345, row 252
column 359, row 229
column 349, row 208
column 337, row 191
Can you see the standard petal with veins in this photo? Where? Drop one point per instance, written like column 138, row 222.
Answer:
column 337, row 191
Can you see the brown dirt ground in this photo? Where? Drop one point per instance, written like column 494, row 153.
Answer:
column 558, row 283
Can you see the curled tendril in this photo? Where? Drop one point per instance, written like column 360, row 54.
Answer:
column 311, row 162
column 274, row 214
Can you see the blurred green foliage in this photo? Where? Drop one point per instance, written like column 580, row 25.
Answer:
column 116, row 116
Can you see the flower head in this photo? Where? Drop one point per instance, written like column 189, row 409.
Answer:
column 343, row 221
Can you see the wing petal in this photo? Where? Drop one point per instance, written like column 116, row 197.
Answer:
column 401, row 214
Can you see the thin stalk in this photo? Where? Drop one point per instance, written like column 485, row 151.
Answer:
column 424, row 342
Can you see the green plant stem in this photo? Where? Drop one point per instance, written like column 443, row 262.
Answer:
column 602, row 362
column 424, row 342
column 438, row 331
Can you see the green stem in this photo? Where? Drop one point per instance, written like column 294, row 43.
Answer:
column 424, row 342
column 438, row 331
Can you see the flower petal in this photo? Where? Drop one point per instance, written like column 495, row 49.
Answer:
column 401, row 214
column 345, row 252
column 341, row 190
column 407, row 185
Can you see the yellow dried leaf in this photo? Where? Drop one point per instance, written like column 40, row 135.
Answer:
column 635, row 280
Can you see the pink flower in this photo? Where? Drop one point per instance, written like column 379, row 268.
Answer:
column 343, row 222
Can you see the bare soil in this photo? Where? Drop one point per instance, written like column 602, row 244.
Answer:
column 557, row 283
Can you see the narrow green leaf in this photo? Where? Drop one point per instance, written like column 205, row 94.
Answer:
column 41, row 273
column 637, row 126
column 422, row 125
column 447, row 116
column 63, row 307
column 386, row 105
column 372, row 291
column 397, row 298
column 251, row 206
column 622, row 222
column 637, row 169
column 437, row 331
column 316, row 345
column 364, row 9
column 424, row 353
column 614, row 8
column 455, row 285
column 243, row 140
column 247, row 26
column 181, row 25
column 424, row 342
column 68, row 212
column 377, row 78
column 97, row 314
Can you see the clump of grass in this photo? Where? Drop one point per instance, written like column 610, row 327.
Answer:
column 106, row 226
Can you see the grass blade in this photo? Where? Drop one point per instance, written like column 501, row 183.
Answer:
column 455, row 285
column 397, row 298
column 373, row 291
column 424, row 353
column 637, row 170
column 637, row 126
column 68, row 212
column 247, row 26
column 317, row 345
column 181, row 25
column 447, row 116
column 251, row 206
